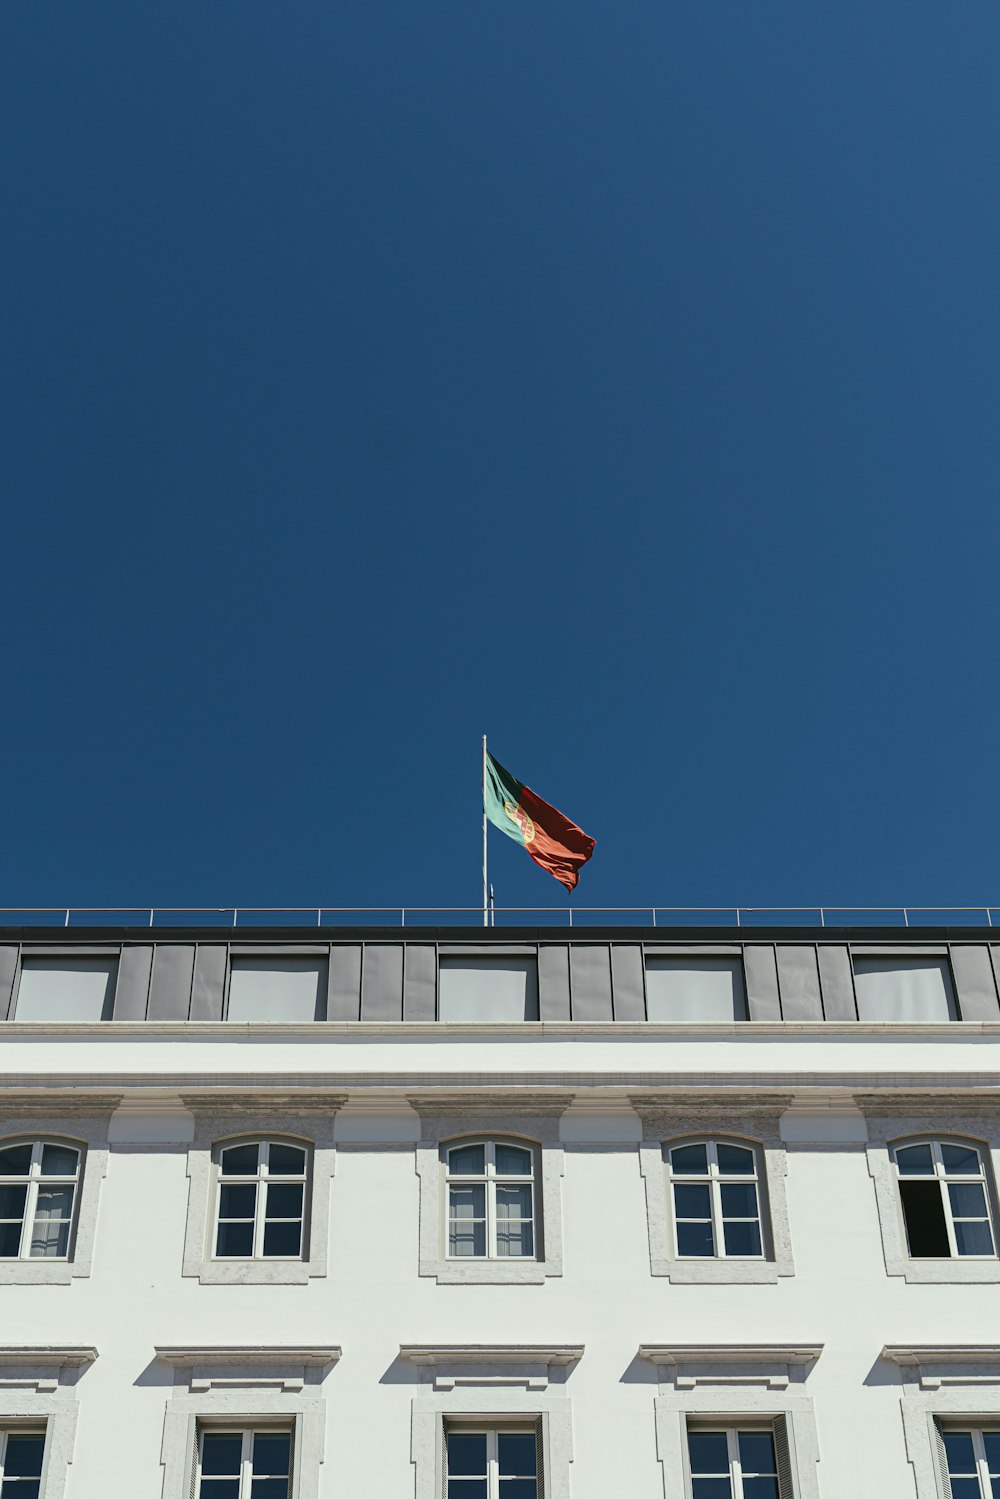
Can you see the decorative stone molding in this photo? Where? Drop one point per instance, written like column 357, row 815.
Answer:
column 689, row 1365
column 83, row 1122
column 942, row 1382
column 550, row 1408
column 935, row 1118
column 303, row 1117
column 38, row 1384
column 242, row 1385
column 933, row 1365
column 492, row 1364
column 533, row 1119
column 753, row 1121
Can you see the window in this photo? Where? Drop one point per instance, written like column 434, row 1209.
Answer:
column 261, row 1201
column 71, row 990
column 716, row 1205
column 735, row 1463
column 972, row 1460
column 902, row 988
column 38, row 1181
column 278, row 989
column 491, row 1201
column 21, row 1453
column 944, row 1197
column 244, row 1464
column 488, row 988
column 502, row 1462
column 695, row 989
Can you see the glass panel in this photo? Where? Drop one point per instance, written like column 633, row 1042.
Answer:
column 915, row 1160
column 235, row 1241
column 923, row 1214
column 488, row 988
column 516, row 1453
column 286, row 1160
column 756, row 1452
column 57, row 1202
column 513, row 1202
column 237, row 1202
column 695, row 989
column 468, row 1202
column 276, row 988
column 12, row 1202
column 511, row 1160
column 69, row 990
column 961, row 1160
column 991, row 1443
column 711, row 1488
column 10, row 1240
column 269, row 1488
column 221, row 1452
column 220, row 1488
column 518, row 1488
column 960, row 1451
column 49, row 1240
column 15, row 1160
column 283, row 1201
column 968, row 1200
column 466, row 1453
column 694, row 1240
column 467, row 1240
column 282, row 1240
column 27, row 1488
column 59, row 1160
column 240, row 1160
column 270, row 1452
column 692, row 1202
column 515, row 1241
column 467, row 1160
column 739, row 1200
column 902, row 988
column 760, row 1488
column 24, row 1457
column 973, row 1238
column 966, row 1488
column 995, row 1488
column 467, row 1488
column 735, row 1160
column 689, row 1160
column 742, row 1239
column 708, row 1451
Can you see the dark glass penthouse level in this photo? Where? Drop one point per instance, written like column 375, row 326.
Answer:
column 468, row 975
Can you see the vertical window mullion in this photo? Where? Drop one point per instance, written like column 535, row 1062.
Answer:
column 246, row 1459
column 982, row 1467
column 490, row 1194
column 942, row 1179
column 28, row 1223
column 735, row 1470
column 492, row 1465
column 260, row 1201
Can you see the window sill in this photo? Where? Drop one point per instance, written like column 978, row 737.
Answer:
column 720, row 1272
column 255, row 1272
column 489, row 1272
column 37, row 1272
column 946, row 1272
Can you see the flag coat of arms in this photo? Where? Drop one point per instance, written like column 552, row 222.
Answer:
column 555, row 843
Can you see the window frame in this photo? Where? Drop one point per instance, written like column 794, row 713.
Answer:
column 261, row 1180
column 241, row 954
column 492, row 1428
column 248, row 1433
column 733, row 1428
column 85, row 1129
column 54, row 955
column 715, row 1180
column 21, row 1429
column 490, row 1180
column 913, row 956
column 975, row 1428
column 938, row 1175
column 32, row 1180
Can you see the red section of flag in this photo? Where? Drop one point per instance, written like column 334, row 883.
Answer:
column 557, row 844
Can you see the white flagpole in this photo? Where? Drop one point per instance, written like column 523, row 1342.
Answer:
column 485, row 884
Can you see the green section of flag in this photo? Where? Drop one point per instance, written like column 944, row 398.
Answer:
column 502, row 787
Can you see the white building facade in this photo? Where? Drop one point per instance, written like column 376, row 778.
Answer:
column 499, row 1214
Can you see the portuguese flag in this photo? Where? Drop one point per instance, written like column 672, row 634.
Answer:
column 555, row 843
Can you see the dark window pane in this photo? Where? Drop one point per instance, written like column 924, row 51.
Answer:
column 742, row 1239
column 711, row 1488
column 960, row 1452
column 54, row 1202
column 961, row 1160
column 995, row 1487
column 760, row 1488
column 286, row 1160
column 708, row 1452
column 695, row 1240
column 15, row 1160
column 923, row 1212
column 991, row 1442
column 221, row 1453
column 518, row 1488
column 282, row 1240
column 973, row 1238
column 220, row 1488
column 269, row 1488
column 739, row 1200
column 59, row 1160
column 237, row 1202
column 513, row 1202
column 10, row 1240
column 467, row 1488
column 516, row 1453
column 235, row 1241
column 24, row 1456
column 965, row 1488
column 25, row 1488
column 915, row 1160
column 240, row 1160
column 515, row 1241
column 271, row 1452
column 756, row 1452
column 689, row 1160
column 466, row 1453
column 283, row 1201
column 467, row 1202
column 467, row 1240
column 467, row 1160
column 49, row 1240
column 692, row 1202
column 12, row 1201
column 735, row 1160
column 512, row 1160
column 968, row 1200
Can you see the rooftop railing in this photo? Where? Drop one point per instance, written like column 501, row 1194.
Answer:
column 475, row 916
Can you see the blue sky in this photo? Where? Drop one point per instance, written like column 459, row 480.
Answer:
column 617, row 380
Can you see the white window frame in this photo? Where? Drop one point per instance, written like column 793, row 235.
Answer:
column 978, row 1449
column 736, row 1124
column 715, row 1180
column 29, row 1429
column 490, row 1181
column 732, row 1433
column 492, row 1430
column 32, row 1182
column 248, row 1433
column 535, row 1124
column 220, row 1122
column 982, row 1178
column 892, row 1125
column 262, row 1179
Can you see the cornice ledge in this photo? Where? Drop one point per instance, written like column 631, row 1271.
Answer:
column 46, row 1355
column 491, row 1353
column 261, row 1099
column 908, row 1354
column 481, row 1099
column 973, row 1101
column 731, row 1353
column 672, row 1102
column 63, row 1101
column 311, row 1355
